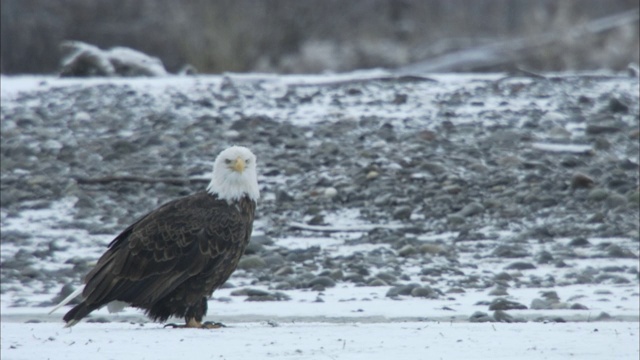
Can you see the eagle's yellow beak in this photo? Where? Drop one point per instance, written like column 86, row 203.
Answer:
column 239, row 165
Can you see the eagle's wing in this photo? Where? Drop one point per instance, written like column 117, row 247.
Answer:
column 152, row 257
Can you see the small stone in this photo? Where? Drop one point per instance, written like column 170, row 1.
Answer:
column 323, row 281
column 99, row 320
column 424, row 292
column 330, row 192
column 596, row 129
column 520, row 265
column 231, row 134
column 616, row 251
column 499, row 291
column 510, row 251
column 387, row 277
column 262, row 240
column 336, row 274
column 501, row 316
column 82, row 116
column 432, row 249
column 403, row 213
column 455, row 219
column 615, row 200
column 579, row 242
column 251, row 262
column 480, row 317
column 503, row 276
column 551, row 296
column 596, row 218
column 316, row 220
column 249, row 292
column 578, row 306
column 283, row 196
column 372, row 175
column 401, row 290
column 617, row 106
column 504, row 304
column 455, row 290
column 285, row 270
column 407, row 250
column 540, row 304
column 579, row 180
column 452, row 189
column 603, row 316
column 598, row 194
column 543, row 257
column 378, row 282
column 471, row 209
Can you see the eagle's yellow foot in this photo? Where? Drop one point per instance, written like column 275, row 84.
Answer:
column 193, row 324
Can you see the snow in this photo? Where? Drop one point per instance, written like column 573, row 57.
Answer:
column 350, row 322
column 313, row 340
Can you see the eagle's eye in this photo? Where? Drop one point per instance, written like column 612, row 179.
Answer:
column 247, row 161
column 227, row 161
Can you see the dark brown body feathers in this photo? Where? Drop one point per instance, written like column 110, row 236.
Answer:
column 172, row 259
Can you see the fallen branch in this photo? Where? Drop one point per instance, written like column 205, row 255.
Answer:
column 139, row 179
column 504, row 52
column 564, row 148
column 356, row 228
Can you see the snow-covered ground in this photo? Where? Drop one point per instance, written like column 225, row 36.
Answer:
column 348, row 321
column 322, row 340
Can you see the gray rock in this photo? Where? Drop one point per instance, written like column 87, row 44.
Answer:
column 598, row 194
column 504, row 304
column 499, row 291
column 425, row 292
column 520, row 265
column 480, row 317
column 501, row 316
column 579, row 180
column 323, row 281
column 275, row 296
column 251, row 262
column 510, row 251
column 401, row 290
column 455, row 219
column 336, row 275
column 579, row 242
column 471, row 209
column 544, row 257
column 578, row 306
column 402, row 213
column 603, row 316
column 551, row 296
column 540, row 304
column 616, row 251
column 378, row 282
column 407, row 250
column 284, row 270
column 615, row 200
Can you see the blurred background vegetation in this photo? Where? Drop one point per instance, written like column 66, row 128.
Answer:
column 308, row 36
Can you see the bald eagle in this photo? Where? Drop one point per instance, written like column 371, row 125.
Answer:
column 169, row 261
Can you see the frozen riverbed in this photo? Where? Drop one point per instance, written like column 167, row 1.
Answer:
column 395, row 211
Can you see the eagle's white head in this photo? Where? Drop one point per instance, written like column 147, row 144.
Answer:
column 234, row 174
